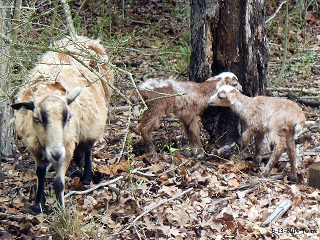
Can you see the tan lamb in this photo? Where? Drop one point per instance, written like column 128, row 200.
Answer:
column 281, row 120
column 62, row 110
column 188, row 106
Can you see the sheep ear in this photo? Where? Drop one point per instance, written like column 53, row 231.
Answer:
column 232, row 97
column 28, row 105
column 72, row 95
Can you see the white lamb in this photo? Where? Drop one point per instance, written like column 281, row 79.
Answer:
column 281, row 119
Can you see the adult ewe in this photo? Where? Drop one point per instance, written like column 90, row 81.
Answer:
column 280, row 119
column 62, row 110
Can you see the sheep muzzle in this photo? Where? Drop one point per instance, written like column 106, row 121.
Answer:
column 55, row 154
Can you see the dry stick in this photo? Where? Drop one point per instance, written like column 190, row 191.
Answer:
column 278, row 212
column 300, row 90
column 103, row 184
column 69, row 20
column 285, row 51
column 157, row 205
column 275, row 13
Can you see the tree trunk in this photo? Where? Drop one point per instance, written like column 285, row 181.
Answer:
column 228, row 35
column 6, row 133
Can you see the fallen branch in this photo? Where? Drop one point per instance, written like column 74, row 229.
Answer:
column 299, row 90
column 103, row 184
column 278, row 212
column 150, row 207
column 312, row 104
column 12, row 217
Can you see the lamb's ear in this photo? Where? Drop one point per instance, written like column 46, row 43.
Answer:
column 232, row 97
column 28, row 105
column 72, row 95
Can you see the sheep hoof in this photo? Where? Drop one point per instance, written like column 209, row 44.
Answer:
column 86, row 180
column 37, row 208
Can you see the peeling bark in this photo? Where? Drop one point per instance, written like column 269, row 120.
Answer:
column 228, row 36
column 6, row 133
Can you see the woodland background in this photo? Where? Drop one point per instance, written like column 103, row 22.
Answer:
column 177, row 197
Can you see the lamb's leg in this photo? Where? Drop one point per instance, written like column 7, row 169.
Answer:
column 192, row 130
column 41, row 170
column 245, row 140
column 149, row 122
column 291, row 150
column 258, row 139
column 279, row 147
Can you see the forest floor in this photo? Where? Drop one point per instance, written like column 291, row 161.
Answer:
column 176, row 196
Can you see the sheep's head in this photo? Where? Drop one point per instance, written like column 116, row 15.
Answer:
column 226, row 96
column 228, row 78
column 50, row 118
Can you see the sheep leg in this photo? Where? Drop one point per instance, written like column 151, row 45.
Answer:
column 87, row 171
column 192, row 130
column 245, row 139
column 279, row 148
column 149, row 122
column 291, row 149
column 40, row 201
column 59, row 181
column 257, row 151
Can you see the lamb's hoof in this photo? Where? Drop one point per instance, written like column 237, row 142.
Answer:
column 265, row 173
column 293, row 177
column 257, row 160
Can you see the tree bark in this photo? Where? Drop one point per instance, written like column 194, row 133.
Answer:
column 6, row 133
column 228, row 35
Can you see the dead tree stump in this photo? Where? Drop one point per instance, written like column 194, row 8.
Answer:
column 314, row 175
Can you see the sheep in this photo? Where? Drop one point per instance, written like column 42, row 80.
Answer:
column 188, row 102
column 62, row 110
column 280, row 120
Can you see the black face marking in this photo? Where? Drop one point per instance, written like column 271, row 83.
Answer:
column 65, row 116
column 44, row 116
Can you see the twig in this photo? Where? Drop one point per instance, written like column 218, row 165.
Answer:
column 4, row 216
column 275, row 13
column 278, row 212
column 286, row 39
column 125, row 138
column 150, row 207
column 103, row 184
column 66, row 8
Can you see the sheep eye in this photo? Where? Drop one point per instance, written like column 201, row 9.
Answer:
column 36, row 119
column 220, row 96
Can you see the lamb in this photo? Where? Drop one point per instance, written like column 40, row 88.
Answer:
column 280, row 120
column 188, row 102
column 62, row 110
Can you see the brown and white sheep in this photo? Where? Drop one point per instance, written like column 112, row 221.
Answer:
column 189, row 102
column 280, row 120
column 62, row 110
